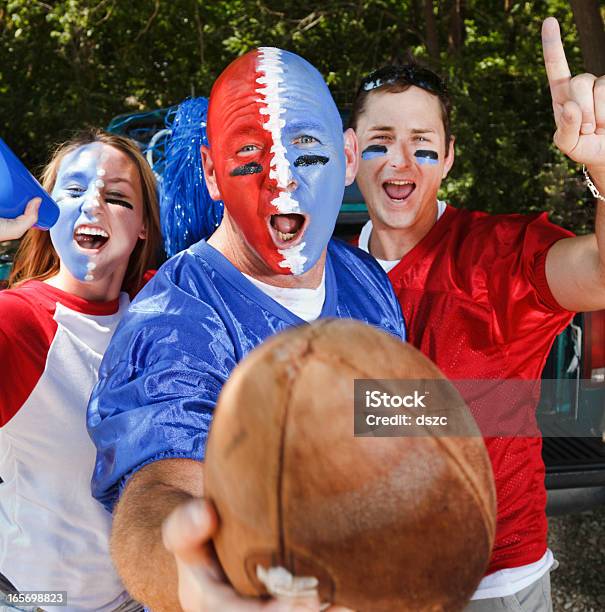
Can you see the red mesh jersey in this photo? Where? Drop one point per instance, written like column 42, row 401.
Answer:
column 476, row 301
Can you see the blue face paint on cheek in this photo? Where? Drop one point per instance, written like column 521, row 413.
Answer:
column 427, row 157
column 317, row 163
column 373, row 151
column 75, row 192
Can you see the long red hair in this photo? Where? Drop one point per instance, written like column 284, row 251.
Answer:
column 36, row 257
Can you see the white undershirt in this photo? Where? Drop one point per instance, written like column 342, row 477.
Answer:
column 503, row 582
column 364, row 240
column 304, row 303
column 510, row 581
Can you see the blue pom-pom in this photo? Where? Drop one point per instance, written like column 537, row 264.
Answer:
column 187, row 212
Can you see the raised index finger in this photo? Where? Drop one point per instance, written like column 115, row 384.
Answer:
column 557, row 69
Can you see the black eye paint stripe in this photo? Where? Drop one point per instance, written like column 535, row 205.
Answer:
column 119, row 203
column 311, row 160
column 249, row 168
column 426, row 153
column 375, row 149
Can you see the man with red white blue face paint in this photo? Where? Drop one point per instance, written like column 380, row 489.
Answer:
column 279, row 161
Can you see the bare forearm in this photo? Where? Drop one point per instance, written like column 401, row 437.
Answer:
column 575, row 267
column 147, row 569
column 597, row 177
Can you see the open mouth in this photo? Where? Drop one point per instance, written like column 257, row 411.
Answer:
column 90, row 237
column 399, row 191
column 287, row 230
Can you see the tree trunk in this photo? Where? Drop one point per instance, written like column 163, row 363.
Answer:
column 416, row 14
column 589, row 22
column 456, row 33
column 430, row 25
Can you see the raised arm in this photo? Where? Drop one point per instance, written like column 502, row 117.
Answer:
column 575, row 267
column 146, row 567
column 160, row 544
column 11, row 229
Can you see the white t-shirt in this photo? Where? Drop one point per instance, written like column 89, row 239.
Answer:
column 304, row 303
column 54, row 536
column 510, row 581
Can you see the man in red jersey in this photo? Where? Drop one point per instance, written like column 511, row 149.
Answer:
column 484, row 296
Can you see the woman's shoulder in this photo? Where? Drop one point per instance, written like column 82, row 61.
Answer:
column 27, row 329
column 27, row 308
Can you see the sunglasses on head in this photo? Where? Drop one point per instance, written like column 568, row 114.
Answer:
column 412, row 75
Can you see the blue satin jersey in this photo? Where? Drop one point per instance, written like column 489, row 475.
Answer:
column 181, row 338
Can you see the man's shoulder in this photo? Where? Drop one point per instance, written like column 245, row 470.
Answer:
column 192, row 260
column 195, row 295
column 482, row 235
column 364, row 288
column 186, row 278
column 479, row 249
column 476, row 223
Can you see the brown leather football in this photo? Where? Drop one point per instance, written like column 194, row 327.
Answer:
column 382, row 523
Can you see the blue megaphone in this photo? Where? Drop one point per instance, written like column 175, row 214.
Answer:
column 18, row 187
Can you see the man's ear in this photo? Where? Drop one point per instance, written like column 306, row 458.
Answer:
column 210, row 173
column 351, row 156
column 449, row 157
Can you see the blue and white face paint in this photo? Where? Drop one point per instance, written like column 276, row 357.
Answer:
column 312, row 155
column 77, row 235
column 99, row 190
column 374, row 151
column 425, row 156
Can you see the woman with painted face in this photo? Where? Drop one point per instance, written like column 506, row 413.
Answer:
column 67, row 292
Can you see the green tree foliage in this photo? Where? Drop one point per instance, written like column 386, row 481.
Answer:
column 67, row 64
